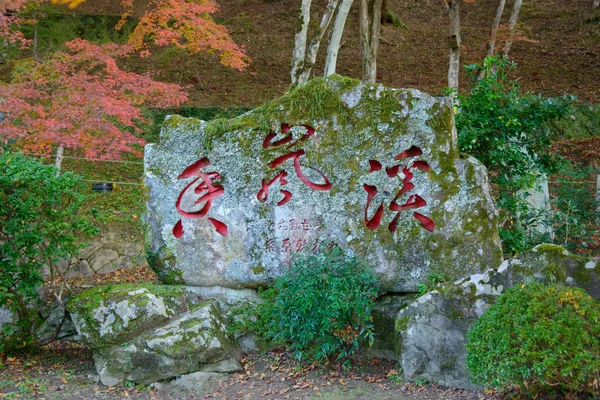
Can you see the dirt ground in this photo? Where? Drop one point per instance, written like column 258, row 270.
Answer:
column 66, row 371
column 557, row 48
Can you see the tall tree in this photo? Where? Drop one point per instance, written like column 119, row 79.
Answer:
column 303, row 57
column 80, row 99
column 336, row 36
column 454, row 42
column 370, row 26
column 494, row 30
column 512, row 24
column 491, row 46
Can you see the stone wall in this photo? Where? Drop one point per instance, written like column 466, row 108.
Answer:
column 109, row 251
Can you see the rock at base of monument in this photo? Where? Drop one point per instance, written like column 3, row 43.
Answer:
column 384, row 313
column 373, row 170
column 196, row 341
column 432, row 330
column 223, row 295
column 196, row 382
column 146, row 333
column 114, row 314
column 53, row 315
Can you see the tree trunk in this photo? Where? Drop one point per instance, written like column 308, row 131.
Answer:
column 35, row 39
column 454, row 43
column 60, row 153
column 303, row 73
column 512, row 24
column 494, row 30
column 336, row 36
column 384, row 12
column 300, row 40
column 370, row 26
column 493, row 34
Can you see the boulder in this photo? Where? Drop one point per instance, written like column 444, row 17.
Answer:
column 114, row 314
column 147, row 333
column 431, row 331
column 384, row 314
column 7, row 317
column 372, row 169
column 53, row 315
column 195, row 342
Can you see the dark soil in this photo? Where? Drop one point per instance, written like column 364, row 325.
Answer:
column 66, row 371
column 557, row 48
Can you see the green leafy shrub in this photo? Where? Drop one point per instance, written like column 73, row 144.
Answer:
column 321, row 307
column 539, row 338
column 575, row 209
column 40, row 224
column 508, row 131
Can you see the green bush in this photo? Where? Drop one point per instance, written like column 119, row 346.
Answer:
column 508, row 131
column 575, row 209
column 539, row 338
column 321, row 307
column 40, row 223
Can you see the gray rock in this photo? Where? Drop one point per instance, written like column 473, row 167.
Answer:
column 432, row 337
column 245, row 239
column 6, row 317
column 431, row 331
column 384, row 313
column 196, row 341
column 116, row 314
column 88, row 251
column 53, row 315
column 81, row 268
column 225, row 296
column 196, row 382
column 132, row 250
column 146, row 333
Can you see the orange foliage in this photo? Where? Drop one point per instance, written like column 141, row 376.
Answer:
column 80, row 98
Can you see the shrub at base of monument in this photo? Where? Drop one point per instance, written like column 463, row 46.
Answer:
column 320, row 308
column 432, row 330
column 536, row 339
column 373, row 170
column 146, row 333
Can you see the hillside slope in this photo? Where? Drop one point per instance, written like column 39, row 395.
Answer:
column 560, row 53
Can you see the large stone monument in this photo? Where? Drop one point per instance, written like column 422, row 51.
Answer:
column 371, row 169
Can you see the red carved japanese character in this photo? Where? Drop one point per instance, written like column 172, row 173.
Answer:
column 374, row 222
column 414, row 201
column 263, row 193
column 286, row 245
column 300, row 243
column 207, row 192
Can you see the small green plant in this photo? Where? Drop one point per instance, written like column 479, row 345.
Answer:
column 395, row 377
column 508, row 131
column 40, row 223
column 321, row 307
column 538, row 338
column 432, row 283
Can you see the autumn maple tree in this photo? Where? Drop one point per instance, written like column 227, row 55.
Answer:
column 80, row 98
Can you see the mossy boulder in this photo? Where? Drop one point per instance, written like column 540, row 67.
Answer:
column 372, row 169
column 114, row 314
column 432, row 330
column 384, row 312
column 196, row 341
column 146, row 333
